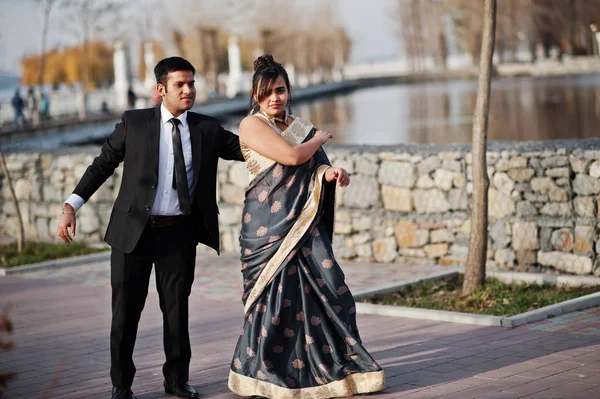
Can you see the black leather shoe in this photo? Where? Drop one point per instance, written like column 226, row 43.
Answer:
column 181, row 390
column 121, row 393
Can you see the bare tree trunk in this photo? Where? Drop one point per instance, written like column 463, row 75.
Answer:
column 21, row 227
column 85, row 18
column 47, row 11
column 475, row 270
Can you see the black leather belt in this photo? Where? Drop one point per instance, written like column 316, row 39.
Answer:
column 165, row 221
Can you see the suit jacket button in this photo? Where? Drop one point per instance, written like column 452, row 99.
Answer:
column 153, row 186
column 147, row 207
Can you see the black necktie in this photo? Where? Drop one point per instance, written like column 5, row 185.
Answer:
column 180, row 182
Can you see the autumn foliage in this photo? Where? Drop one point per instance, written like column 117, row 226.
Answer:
column 66, row 65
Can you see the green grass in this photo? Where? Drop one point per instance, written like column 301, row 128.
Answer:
column 495, row 298
column 34, row 252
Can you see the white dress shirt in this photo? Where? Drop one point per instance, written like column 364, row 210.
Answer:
column 165, row 201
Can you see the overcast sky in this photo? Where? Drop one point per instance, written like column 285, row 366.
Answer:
column 368, row 23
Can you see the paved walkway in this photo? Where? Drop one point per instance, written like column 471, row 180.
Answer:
column 62, row 321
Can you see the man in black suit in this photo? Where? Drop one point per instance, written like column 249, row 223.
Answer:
column 165, row 206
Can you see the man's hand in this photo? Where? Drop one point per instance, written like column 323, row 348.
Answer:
column 67, row 224
column 338, row 174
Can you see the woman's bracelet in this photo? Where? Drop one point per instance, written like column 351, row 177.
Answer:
column 68, row 213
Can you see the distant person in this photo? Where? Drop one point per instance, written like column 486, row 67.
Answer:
column 44, row 106
column 104, row 107
column 131, row 98
column 18, row 104
column 31, row 103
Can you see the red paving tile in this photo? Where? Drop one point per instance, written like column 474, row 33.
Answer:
column 61, row 349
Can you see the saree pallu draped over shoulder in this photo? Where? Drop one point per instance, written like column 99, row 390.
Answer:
column 299, row 338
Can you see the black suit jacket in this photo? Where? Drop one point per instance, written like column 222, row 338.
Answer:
column 135, row 142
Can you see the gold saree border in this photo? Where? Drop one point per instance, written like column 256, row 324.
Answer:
column 358, row 383
column 305, row 219
column 293, row 135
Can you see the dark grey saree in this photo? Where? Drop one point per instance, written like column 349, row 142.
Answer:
column 299, row 338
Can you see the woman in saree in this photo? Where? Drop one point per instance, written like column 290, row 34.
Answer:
column 299, row 338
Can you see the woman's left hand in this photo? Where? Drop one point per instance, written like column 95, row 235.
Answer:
column 338, row 174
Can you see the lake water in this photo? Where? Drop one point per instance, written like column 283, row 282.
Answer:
column 521, row 109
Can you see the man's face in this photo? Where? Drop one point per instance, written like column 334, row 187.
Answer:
column 180, row 93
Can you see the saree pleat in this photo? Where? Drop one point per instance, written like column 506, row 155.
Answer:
column 299, row 338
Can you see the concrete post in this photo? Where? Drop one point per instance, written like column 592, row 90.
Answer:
column 234, row 81
column 121, row 76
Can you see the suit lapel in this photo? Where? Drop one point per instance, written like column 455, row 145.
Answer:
column 196, row 140
column 154, row 140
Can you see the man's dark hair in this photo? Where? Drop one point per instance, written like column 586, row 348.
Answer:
column 171, row 64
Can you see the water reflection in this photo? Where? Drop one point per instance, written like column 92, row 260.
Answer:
column 521, row 109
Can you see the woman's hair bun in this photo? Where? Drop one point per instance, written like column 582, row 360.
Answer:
column 264, row 60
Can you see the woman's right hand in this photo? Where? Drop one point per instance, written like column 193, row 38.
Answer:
column 322, row 136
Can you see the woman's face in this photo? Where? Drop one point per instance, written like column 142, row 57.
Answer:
column 276, row 98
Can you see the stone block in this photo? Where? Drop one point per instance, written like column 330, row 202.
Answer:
column 525, row 208
column 500, row 205
column 436, row 250
column 361, row 238
column 591, row 154
column 566, row 262
column 230, row 215
column 546, row 239
column 430, row 201
column 87, row 221
column 443, row 179
column 364, row 251
column 526, row 257
column 384, row 249
column 452, row 165
column 362, row 223
column 595, row 169
column 556, row 209
column 459, row 180
column 459, row 251
column 366, row 167
column 499, row 234
column 505, row 257
column 362, row 193
column 441, row 235
column 465, row 228
column 231, row 194
column 412, row 252
column 579, row 165
column 558, row 172
column 586, row 185
column 408, row 235
column 558, row 195
column 555, row 162
column 41, row 227
column 397, row 174
column 542, row 184
column 584, row 206
column 525, row 236
column 396, row 199
column 458, row 199
column 428, row 165
column 425, row 181
column 521, row 175
column 503, row 183
column 584, row 240
column 562, row 240
column 238, row 175
column 513, row 163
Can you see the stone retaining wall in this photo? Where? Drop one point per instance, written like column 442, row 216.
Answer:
column 407, row 204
